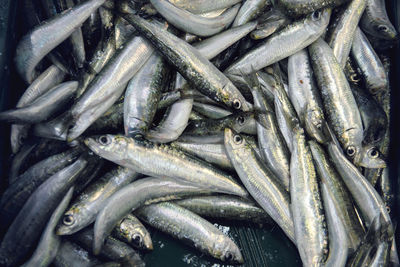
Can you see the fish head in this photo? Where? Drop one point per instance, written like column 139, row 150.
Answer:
column 140, row 238
column 318, row 20
column 369, row 156
column 135, row 128
column 111, row 147
column 227, row 251
column 245, row 123
column 134, row 231
column 72, row 222
column 384, row 29
column 314, row 124
column 237, row 147
column 233, row 141
column 54, row 129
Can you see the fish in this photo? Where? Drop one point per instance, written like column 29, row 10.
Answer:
column 113, row 249
column 369, row 62
column 108, row 85
column 336, row 196
column 250, row 10
column 306, row 204
column 191, row 228
column 375, row 21
column 272, row 146
column 261, row 183
column 202, row 74
column 16, row 195
column 84, row 209
column 360, row 188
column 141, row 155
column 43, row 107
column 193, row 23
column 27, row 227
column 284, row 43
column 340, row 106
column 142, row 94
column 147, row 191
column 49, row 242
column 305, row 96
column 47, row 80
column 341, row 36
column 43, row 38
column 132, row 231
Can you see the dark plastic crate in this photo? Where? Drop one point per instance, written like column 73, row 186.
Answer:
column 260, row 246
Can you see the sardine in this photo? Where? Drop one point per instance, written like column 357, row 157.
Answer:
column 249, row 11
column 47, row 80
column 261, row 183
column 375, row 21
column 143, row 156
column 132, row 231
column 368, row 61
column 142, row 94
column 192, row 229
column 341, row 36
column 192, row 65
column 31, row 219
column 49, row 242
column 42, row 107
column 43, row 38
column 146, row 191
column 288, row 41
column 306, row 206
column 113, row 249
column 193, row 23
column 272, row 146
column 340, row 105
column 337, row 197
column 305, row 96
column 84, row 209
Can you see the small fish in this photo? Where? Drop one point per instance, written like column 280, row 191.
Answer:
column 191, row 228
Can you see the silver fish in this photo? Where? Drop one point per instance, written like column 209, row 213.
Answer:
column 43, row 38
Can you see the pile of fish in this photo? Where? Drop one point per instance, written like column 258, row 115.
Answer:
column 158, row 113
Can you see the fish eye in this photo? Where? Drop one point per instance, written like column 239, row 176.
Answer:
column 137, row 239
column 316, row 15
column 383, row 28
column 351, row 151
column 228, row 256
column 104, row 140
column 237, row 104
column 21, row 140
column 373, row 153
column 68, row 220
column 73, row 143
column 354, row 78
column 237, row 139
column 240, row 120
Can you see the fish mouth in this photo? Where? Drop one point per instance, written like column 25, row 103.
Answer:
column 148, row 244
column 92, row 145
